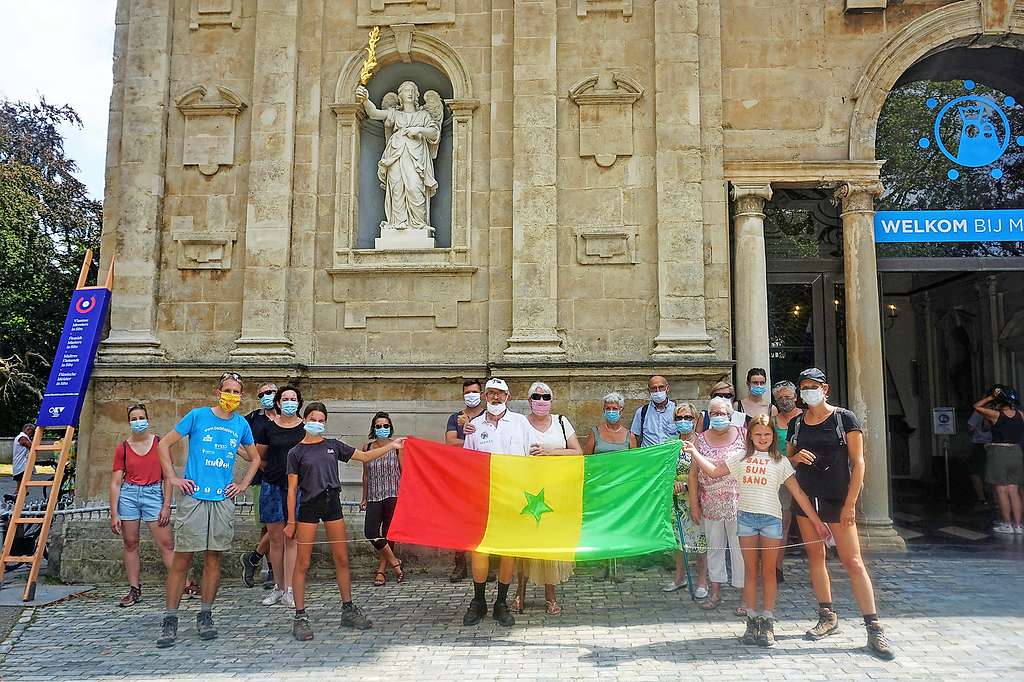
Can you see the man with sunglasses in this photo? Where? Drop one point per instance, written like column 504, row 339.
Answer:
column 258, row 420
column 654, row 422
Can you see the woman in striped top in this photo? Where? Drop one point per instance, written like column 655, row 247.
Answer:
column 380, row 495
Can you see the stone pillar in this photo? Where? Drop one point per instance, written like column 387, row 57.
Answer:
column 268, row 214
column 750, row 299
column 134, row 195
column 534, row 177
column 682, row 328
column 865, row 373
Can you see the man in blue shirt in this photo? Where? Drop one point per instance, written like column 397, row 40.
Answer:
column 204, row 521
column 654, row 422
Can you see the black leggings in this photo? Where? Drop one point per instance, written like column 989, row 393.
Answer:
column 378, row 521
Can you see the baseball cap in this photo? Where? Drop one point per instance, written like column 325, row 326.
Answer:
column 813, row 374
column 497, row 384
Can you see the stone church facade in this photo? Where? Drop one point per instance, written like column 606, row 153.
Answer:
column 604, row 166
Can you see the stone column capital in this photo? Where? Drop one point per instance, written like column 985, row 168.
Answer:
column 749, row 198
column 857, row 196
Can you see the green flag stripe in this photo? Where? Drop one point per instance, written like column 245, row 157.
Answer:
column 627, row 502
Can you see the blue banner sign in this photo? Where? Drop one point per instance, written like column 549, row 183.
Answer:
column 72, row 366
column 949, row 226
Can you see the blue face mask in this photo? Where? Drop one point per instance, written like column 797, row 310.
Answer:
column 684, row 427
column 612, row 416
column 659, row 397
column 289, row 407
column 720, row 423
column 315, row 428
column 758, row 390
column 139, row 425
column 382, row 432
column 267, row 401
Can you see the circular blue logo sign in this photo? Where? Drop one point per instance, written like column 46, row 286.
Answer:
column 984, row 131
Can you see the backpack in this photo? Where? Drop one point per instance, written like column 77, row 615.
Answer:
column 794, row 426
column 643, row 418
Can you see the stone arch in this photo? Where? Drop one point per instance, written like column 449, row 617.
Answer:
column 404, row 47
column 958, row 24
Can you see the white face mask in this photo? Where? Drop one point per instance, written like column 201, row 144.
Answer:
column 472, row 399
column 496, row 409
column 813, row 396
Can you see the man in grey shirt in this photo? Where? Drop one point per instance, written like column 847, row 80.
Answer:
column 22, row 444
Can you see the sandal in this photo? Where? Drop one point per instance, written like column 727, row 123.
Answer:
column 517, row 604
column 379, row 579
column 192, row 591
column 712, row 602
column 399, row 573
column 553, row 608
column 133, row 597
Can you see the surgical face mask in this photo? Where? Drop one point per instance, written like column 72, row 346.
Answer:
column 813, row 396
column 289, row 407
column 786, row 404
column 684, row 427
column 541, row 408
column 496, row 409
column 472, row 399
column 659, row 396
column 720, row 423
column 758, row 390
column 382, row 432
column 229, row 402
column 315, row 428
column 612, row 416
column 139, row 425
column 267, row 401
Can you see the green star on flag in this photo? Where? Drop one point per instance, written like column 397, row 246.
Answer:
column 535, row 505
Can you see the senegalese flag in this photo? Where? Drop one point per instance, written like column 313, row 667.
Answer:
column 616, row 504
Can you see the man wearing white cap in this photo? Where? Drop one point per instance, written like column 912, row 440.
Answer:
column 497, row 431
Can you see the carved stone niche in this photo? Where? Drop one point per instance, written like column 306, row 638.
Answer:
column 584, row 6
column 209, row 138
column 606, row 103
column 215, row 13
column 389, row 12
column 606, row 245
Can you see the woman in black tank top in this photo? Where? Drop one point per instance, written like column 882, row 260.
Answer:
column 1004, row 462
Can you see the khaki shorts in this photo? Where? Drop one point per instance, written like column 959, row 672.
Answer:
column 1004, row 464
column 201, row 525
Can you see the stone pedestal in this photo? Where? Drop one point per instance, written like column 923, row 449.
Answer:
column 391, row 238
column 750, row 291
column 865, row 373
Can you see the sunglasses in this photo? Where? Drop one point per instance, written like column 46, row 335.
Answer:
column 231, row 375
column 271, row 392
column 540, row 396
column 727, row 396
column 686, row 418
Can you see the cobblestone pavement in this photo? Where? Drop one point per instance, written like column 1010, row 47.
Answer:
column 950, row 616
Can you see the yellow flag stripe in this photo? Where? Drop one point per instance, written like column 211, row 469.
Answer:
column 535, row 507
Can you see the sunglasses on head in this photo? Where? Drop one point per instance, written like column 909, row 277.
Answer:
column 540, row 396
column 231, row 375
column 727, row 396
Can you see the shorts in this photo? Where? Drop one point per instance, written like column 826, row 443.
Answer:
column 273, row 503
column 201, row 525
column 829, row 511
column 140, row 502
column 1004, row 464
column 323, row 507
column 751, row 524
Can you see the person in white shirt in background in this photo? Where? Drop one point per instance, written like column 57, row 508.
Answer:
column 19, row 459
column 497, row 430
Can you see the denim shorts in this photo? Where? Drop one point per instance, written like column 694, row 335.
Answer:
column 749, row 524
column 140, row 502
column 273, row 503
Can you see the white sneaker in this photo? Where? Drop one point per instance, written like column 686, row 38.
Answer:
column 1018, row 530
column 288, row 599
column 672, row 586
column 275, row 596
column 1003, row 528
column 701, row 592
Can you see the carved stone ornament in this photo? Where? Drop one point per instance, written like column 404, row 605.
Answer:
column 606, row 115
column 389, row 12
column 584, row 6
column 209, row 138
column 215, row 13
column 606, row 245
column 201, row 249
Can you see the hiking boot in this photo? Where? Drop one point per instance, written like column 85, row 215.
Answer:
column 878, row 643
column 502, row 614
column 475, row 613
column 828, row 624
column 133, row 597
column 765, row 632
column 750, row 636
column 250, row 563
column 168, row 632
column 204, row 625
column 301, row 629
column 352, row 617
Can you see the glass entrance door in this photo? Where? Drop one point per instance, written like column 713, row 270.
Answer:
column 807, row 327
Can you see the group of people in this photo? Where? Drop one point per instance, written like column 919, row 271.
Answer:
column 736, row 456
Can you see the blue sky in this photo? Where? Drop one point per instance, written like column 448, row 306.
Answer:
column 62, row 50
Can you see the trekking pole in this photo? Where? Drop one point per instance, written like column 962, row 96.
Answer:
column 686, row 557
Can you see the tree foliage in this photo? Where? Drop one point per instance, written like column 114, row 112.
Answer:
column 47, row 221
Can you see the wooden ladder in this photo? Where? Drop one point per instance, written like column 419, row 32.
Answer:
column 18, row 517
